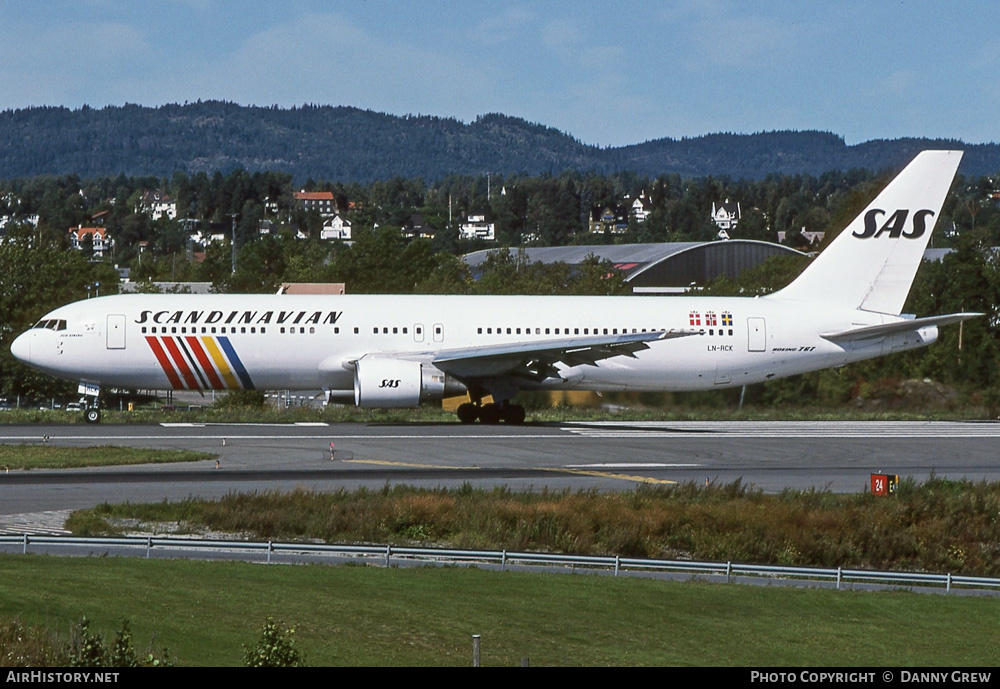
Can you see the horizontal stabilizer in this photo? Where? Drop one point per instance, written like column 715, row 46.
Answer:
column 870, row 332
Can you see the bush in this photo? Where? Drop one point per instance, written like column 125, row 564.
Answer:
column 275, row 648
column 87, row 650
column 241, row 399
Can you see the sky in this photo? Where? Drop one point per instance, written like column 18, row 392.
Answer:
column 608, row 73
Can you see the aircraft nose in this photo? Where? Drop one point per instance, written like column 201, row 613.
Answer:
column 21, row 347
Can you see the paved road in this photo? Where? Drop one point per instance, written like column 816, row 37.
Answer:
column 838, row 456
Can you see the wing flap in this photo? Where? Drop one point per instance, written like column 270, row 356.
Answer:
column 537, row 359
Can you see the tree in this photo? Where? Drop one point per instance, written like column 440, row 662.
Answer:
column 36, row 276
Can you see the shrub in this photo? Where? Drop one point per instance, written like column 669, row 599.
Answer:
column 275, row 648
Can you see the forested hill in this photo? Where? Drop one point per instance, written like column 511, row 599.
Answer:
column 347, row 144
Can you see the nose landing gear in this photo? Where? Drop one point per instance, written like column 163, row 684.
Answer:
column 91, row 403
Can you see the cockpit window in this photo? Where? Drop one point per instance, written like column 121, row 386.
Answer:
column 51, row 324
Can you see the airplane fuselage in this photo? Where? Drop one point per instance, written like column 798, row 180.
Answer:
column 205, row 342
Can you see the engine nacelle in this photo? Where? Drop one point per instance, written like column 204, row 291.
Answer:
column 385, row 383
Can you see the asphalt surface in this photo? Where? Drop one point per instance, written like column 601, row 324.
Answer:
column 835, row 456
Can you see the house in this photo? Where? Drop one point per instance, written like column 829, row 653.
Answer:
column 320, row 201
column 158, row 204
column 204, row 233
column 25, row 219
column 477, row 228
column 416, row 227
column 726, row 215
column 641, row 208
column 804, row 240
column 336, row 228
column 79, row 236
column 608, row 221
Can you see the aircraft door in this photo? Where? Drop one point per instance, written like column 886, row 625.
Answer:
column 756, row 335
column 116, row 331
column 438, row 332
column 418, row 332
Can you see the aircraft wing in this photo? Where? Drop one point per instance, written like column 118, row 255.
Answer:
column 537, row 359
column 869, row 332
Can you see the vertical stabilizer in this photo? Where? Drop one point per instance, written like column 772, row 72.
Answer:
column 871, row 264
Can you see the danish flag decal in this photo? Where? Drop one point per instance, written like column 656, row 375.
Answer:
column 200, row 363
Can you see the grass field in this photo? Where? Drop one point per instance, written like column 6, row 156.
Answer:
column 49, row 457
column 203, row 613
column 557, row 414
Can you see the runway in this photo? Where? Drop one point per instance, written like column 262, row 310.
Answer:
column 835, row 456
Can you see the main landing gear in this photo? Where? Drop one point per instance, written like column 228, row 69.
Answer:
column 491, row 413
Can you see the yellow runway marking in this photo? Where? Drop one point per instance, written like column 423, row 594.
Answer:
column 409, row 465
column 605, row 474
column 580, row 472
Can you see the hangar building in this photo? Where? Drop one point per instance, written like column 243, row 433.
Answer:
column 669, row 267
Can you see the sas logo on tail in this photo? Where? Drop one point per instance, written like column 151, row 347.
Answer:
column 895, row 225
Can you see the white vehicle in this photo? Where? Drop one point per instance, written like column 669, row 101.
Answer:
column 397, row 351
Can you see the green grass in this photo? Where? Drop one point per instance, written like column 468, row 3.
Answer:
column 559, row 414
column 51, row 457
column 203, row 613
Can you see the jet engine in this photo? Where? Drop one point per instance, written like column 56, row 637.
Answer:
column 384, row 383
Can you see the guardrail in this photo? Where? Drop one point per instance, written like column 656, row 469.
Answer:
column 502, row 558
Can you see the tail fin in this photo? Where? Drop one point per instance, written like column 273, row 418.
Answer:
column 871, row 264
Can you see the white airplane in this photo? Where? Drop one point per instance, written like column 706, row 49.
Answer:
column 398, row 351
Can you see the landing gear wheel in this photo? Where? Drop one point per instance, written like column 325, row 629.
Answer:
column 467, row 412
column 513, row 414
column 490, row 413
column 92, row 415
